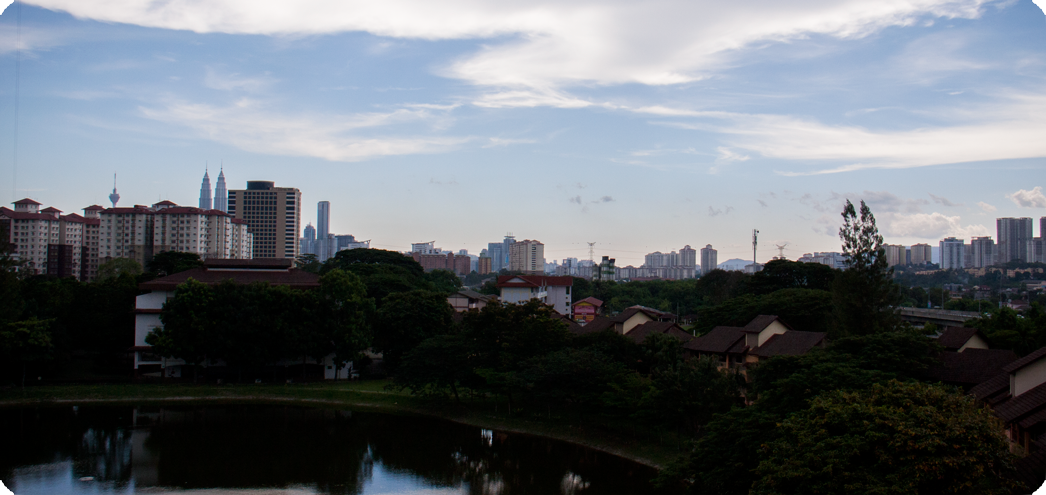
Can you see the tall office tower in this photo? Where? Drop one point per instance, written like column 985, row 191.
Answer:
column 894, row 254
column 494, row 251
column 221, row 195
column 205, row 192
column 709, row 259
column 981, row 252
column 1014, row 237
column 527, row 256
column 952, row 253
column 308, row 243
column 323, row 223
column 921, row 254
column 273, row 215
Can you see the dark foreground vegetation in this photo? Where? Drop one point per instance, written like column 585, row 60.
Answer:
column 856, row 416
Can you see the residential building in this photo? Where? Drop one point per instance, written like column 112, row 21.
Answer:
column 214, row 271
column 554, row 291
column 207, row 233
column 221, row 194
column 92, row 237
column 64, row 258
column 709, row 259
column 459, row 264
column 764, row 337
column 273, row 215
column 586, row 310
column 980, row 253
column 921, row 254
column 31, row 231
column 834, row 260
column 527, row 256
column 468, row 300
column 205, row 192
column 1014, row 236
column 126, row 232
column 628, row 320
column 483, row 265
column 688, row 257
column 894, row 254
column 323, row 222
column 953, row 253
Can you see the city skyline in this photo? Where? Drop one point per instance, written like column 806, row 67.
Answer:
column 930, row 114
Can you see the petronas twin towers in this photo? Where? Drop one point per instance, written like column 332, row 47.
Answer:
column 221, row 195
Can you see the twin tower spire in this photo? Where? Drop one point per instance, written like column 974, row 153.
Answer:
column 221, row 195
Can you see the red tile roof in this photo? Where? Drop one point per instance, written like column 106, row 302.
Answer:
column 1025, row 361
column 990, row 390
column 72, row 217
column 93, row 208
column 124, row 209
column 166, row 202
column 590, row 300
column 1019, row 407
column 22, row 215
column 720, row 340
column 952, row 338
column 791, row 343
column 759, row 323
column 971, row 366
column 50, row 209
column 641, row 332
column 535, row 281
column 189, row 210
column 26, row 201
column 292, row 277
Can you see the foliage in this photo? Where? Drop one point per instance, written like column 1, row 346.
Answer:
column 342, row 317
column 574, row 378
column 436, row 367
column 408, row 318
column 1005, row 329
column 444, row 281
column 804, row 309
column 171, row 262
column 691, row 392
column 26, row 341
column 891, row 438
column 118, row 266
column 188, row 330
column 784, row 274
column 865, row 295
column 309, row 263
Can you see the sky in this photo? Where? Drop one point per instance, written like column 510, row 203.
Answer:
column 640, row 126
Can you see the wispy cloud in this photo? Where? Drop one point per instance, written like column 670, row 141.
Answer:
column 943, row 201
column 1029, row 199
column 986, row 207
column 498, row 142
column 249, row 125
column 231, row 81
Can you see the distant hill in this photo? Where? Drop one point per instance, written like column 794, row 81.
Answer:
column 735, row 264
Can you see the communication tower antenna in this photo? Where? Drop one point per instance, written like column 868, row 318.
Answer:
column 591, row 252
column 755, row 243
column 781, row 250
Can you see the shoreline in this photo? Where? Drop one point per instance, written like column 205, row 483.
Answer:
column 553, row 431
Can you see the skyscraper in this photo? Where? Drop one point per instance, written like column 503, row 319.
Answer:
column 527, row 256
column 273, row 215
column 221, row 195
column 709, row 259
column 308, row 243
column 952, row 254
column 980, row 253
column 921, row 254
column 323, row 222
column 205, row 192
column 1014, row 238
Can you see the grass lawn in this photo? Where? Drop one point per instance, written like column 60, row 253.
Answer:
column 615, row 435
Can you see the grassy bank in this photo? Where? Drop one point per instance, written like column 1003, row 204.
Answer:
column 614, row 435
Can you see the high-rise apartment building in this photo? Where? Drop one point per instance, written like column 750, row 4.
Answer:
column 205, row 192
column 323, row 230
column 709, row 259
column 952, row 253
column 273, row 215
column 527, row 256
column 92, row 238
column 1014, row 237
column 921, row 254
column 895, row 254
column 207, row 233
column 688, row 257
column 981, row 252
column 221, row 195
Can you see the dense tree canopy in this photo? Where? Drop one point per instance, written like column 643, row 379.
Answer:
column 171, row 262
column 865, row 295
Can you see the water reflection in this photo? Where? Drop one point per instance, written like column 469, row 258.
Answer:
column 268, row 449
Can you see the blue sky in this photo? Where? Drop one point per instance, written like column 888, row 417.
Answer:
column 641, row 126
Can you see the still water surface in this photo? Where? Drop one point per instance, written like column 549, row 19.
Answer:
column 273, row 449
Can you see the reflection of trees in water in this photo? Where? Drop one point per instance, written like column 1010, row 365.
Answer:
column 105, row 455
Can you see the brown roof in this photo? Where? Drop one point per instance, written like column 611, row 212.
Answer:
column 239, row 220
column 72, row 217
column 971, row 366
column 591, row 300
column 1025, row 361
column 598, row 324
column 719, row 340
column 1031, row 469
column 1023, row 405
column 990, row 390
column 22, row 215
column 93, row 208
column 792, row 343
column 124, row 209
column 759, row 323
column 211, row 274
column 189, row 210
column 26, row 201
column 535, row 281
column 166, row 202
column 952, row 338
column 50, row 209
column 641, row 332
column 258, row 263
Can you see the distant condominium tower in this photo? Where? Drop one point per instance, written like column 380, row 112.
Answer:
column 273, row 214
column 205, row 192
column 921, row 254
column 895, row 255
column 952, row 253
column 1014, row 237
column 308, row 243
column 221, row 195
column 981, row 252
column 709, row 259
column 527, row 256
column 323, row 222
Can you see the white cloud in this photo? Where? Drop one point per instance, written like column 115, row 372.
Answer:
column 1011, row 128
column 545, row 43
column 497, row 142
column 926, row 226
column 986, row 207
column 1029, row 199
column 248, row 126
column 943, row 201
column 225, row 81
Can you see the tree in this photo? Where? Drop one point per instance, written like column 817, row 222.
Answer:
column 865, row 295
column 435, row 367
column 309, row 263
column 25, row 342
column 408, row 318
column 171, row 262
column 784, row 274
column 190, row 325
column 892, row 438
column 117, row 267
column 804, row 309
column 444, row 281
column 345, row 312
column 691, row 392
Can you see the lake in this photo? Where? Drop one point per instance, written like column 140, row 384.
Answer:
column 255, row 449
